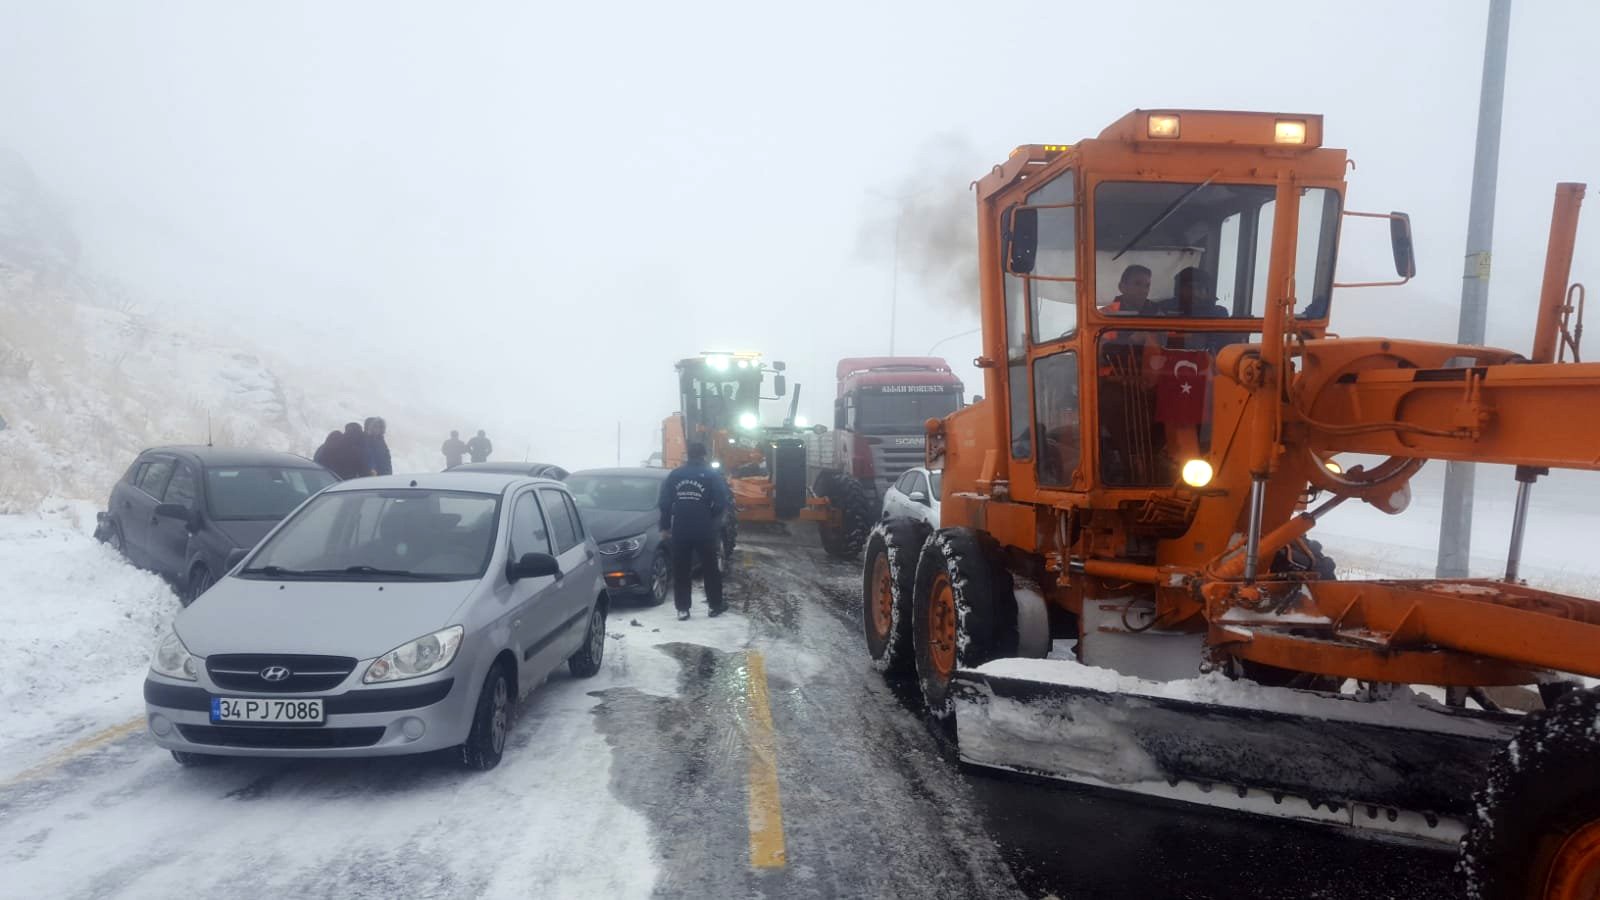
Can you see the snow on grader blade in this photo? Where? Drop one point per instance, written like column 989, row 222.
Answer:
column 1403, row 767
column 1162, row 426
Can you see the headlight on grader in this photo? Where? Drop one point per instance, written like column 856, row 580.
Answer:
column 1162, row 126
column 1197, row 473
column 748, row 421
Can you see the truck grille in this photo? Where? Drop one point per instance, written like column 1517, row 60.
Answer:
column 298, row 738
column 243, row 672
column 892, row 462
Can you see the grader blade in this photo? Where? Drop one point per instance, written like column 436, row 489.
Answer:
column 1402, row 768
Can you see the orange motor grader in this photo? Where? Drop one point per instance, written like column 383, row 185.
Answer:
column 1125, row 592
column 720, row 406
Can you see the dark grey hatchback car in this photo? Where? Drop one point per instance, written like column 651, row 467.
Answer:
column 183, row 511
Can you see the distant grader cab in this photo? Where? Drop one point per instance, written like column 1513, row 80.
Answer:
column 1125, row 592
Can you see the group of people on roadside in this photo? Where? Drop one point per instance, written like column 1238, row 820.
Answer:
column 357, row 451
column 455, row 449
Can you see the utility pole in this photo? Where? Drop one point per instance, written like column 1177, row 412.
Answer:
column 1455, row 526
column 894, row 279
column 619, row 443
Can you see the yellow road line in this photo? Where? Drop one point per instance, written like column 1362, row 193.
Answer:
column 66, row 754
column 765, row 809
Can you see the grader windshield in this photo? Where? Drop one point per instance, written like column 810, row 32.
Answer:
column 1202, row 249
column 719, row 396
column 1185, row 252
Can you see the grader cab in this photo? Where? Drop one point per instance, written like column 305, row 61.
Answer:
column 1125, row 592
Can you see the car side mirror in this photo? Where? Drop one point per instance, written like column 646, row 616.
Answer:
column 235, row 556
column 1405, row 260
column 918, row 497
column 1022, row 239
column 533, row 565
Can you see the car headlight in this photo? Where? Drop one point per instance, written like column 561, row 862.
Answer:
column 172, row 659
column 623, row 547
column 413, row 659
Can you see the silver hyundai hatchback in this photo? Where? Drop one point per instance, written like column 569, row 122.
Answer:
column 385, row 616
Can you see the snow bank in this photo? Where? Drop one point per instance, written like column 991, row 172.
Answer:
column 81, row 624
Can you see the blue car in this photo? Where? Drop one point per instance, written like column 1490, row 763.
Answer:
column 183, row 512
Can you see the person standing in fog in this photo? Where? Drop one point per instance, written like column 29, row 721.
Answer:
column 348, row 458
column 693, row 500
column 479, row 447
column 453, row 449
column 328, row 452
column 379, row 461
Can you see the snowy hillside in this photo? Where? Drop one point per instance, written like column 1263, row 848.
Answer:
column 88, row 378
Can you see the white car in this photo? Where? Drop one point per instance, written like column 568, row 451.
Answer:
column 914, row 496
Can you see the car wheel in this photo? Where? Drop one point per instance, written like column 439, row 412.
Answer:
column 586, row 662
column 200, row 581
column 191, row 760
column 660, row 578
column 486, row 742
column 114, row 539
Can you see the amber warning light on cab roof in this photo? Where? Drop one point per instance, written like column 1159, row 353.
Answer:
column 1217, row 127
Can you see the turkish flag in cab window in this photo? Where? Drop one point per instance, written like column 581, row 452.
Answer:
column 1182, row 377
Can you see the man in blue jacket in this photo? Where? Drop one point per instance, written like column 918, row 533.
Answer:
column 693, row 500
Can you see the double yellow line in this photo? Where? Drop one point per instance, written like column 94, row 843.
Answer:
column 765, row 808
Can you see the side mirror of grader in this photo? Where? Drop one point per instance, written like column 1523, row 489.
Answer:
column 780, row 385
column 1022, row 239
column 1405, row 260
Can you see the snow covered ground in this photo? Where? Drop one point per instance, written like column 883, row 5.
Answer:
column 80, row 624
column 84, row 621
column 1559, row 551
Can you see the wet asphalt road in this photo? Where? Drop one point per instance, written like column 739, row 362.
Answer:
column 638, row 783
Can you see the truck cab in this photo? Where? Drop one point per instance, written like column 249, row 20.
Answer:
column 881, row 413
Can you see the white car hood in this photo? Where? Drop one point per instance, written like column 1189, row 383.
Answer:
column 362, row 619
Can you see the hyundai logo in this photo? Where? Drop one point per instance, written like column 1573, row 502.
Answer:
column 275, row 673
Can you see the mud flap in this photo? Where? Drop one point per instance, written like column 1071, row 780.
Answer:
column 1403, row 768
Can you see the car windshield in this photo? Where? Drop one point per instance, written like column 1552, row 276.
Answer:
column 903, row 408
column 260, row 492
column 621, row 493
column 384, row 535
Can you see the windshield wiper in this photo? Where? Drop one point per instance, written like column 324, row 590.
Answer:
column 273, row 572
column 1165, row 214
column 372, row 570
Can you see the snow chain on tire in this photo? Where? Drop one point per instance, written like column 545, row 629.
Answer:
column 1542, row 787
column 899, row 542
column 981, row 588
column 854, row 504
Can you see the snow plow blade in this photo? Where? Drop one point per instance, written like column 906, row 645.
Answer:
column 1402, row 768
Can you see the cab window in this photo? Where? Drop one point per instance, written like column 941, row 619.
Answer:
column 1201, row 250
column 1055, row 380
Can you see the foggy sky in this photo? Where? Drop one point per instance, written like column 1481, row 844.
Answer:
column 527, row 212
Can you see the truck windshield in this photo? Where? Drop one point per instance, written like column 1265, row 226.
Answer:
column 1201, row 250
column 901, row 413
